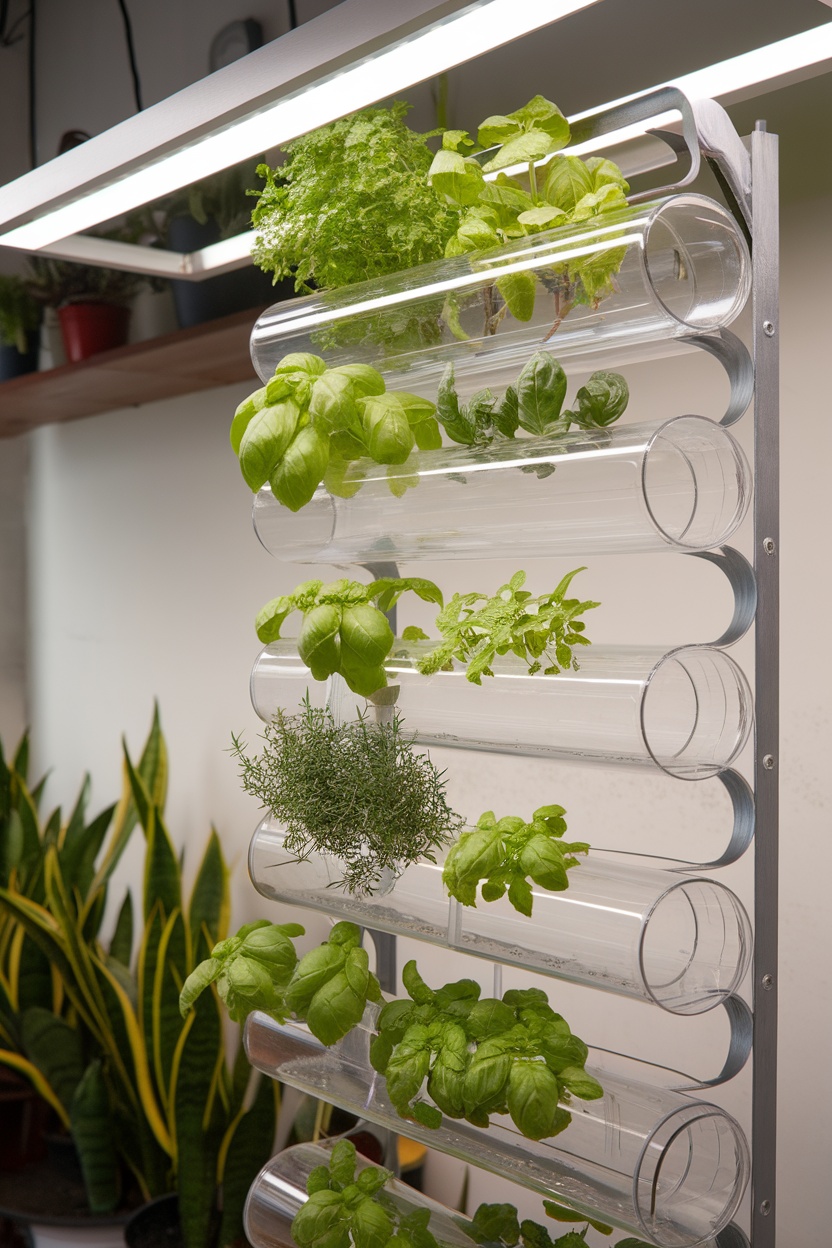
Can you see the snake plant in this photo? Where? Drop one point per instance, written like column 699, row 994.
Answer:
column 145, row 1093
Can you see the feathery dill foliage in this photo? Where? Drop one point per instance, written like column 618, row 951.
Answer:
column 356, row 790
column 352, row 202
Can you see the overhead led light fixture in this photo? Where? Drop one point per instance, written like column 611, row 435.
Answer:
column 346, row 59
column 357, row 53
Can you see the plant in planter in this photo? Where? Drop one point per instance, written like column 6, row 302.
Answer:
column 351, row 1204
column 19, row 324
column 151, row 1101
column 93, row 303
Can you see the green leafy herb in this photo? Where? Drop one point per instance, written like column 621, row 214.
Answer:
column 258, row 969
column 352, row 202
column 504, row 854
column 564, row 191
column 476, row 628
column 357, row 791
column 474, row 1058
column 309, row 422
column 343, row 629
column 534, row 403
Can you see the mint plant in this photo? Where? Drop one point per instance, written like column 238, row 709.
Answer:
column 476, row 628
column 503, row 855
column 474, row 1058
column 258, row 969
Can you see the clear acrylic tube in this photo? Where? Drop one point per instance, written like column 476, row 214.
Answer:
column 677, row 266
column 683, row 942
column 648, row 1160
column 680, row 485
column 687, row 711
column 279, row 1192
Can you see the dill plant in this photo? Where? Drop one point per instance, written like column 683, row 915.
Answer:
column 358, row 791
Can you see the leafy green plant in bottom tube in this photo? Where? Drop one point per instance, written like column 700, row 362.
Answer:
column 504, row 854
column 476, row 1057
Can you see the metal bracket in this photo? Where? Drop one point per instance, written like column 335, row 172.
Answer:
column 735, row 358
column 740, row 576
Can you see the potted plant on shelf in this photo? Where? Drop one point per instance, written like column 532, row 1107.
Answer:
column 92, row 303
column 149, row 1101
column 20, row 318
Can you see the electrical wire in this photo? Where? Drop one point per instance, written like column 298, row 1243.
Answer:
column 33, row 120
column 131, row 53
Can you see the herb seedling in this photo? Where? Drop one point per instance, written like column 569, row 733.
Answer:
column 343, row 629
column 476, row 1058
column 477, row 628
column 258, row 969
column 534, row 403
column 504, row 854
column 565, row 191
column 358, row 792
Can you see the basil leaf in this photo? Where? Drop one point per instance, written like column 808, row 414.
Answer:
column 532, row 1099
column 406, row 1072
column 246, row 985
column 265, row 440
column 562, row 1213
column 543, row 861
column 427, row 435
column 448, row 412
column 319, row 641
column 580, row 1083
column 342, row 1163
column 567, row 180
column 386, row 428
column 522, row 149
column 489, row 1018
column 498, row 1223
column 541, row 389
column 381, row 1047
column 484, row 1085
column 269, row 619
column 520, row 895
column 456, row 176
column 602, row 400
column 365, row 379
column 301, row 362
column 321, row 1222
column 427, row 1115
column 271, row 947
column 332, row 403
column 495, row 131
column 245, row 413
column 300, row 472
column 518, row 290
column 318, row 1180
column 542, row 114
column 373, row 1179
column 506, row 417
column 544, row 217
column 196, row 983
column 371, row 1227
column 366, row 634
column 415, row 986
column 314, row 969
column 603, row 172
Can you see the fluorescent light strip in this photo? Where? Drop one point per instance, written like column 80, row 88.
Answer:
column 471, row 34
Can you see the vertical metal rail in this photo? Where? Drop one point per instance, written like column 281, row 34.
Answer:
column 766, row 753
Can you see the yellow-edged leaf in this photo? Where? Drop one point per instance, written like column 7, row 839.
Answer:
column 7, row 1058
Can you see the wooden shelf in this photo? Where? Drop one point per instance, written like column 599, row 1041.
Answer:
column 200, row 358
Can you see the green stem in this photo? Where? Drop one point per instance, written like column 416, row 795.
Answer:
column 533, row 184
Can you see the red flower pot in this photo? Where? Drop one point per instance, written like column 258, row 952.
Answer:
column 88, row 328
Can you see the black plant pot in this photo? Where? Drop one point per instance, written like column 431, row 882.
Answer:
column 197, row 302
column 14, row 363
column 156, row 1225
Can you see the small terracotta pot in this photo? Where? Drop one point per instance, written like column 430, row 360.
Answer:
column 87, row 328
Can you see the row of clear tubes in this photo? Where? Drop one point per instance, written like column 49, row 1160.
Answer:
column 651, row 1161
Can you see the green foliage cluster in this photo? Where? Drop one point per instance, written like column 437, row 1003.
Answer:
column 476, row 628
column 348, row 1205
column 351, row 202
column 144, row 1093
column 534, row 403
column 504, row 854
column 258, row 969
column 344, row 628
column 19, row 312
column 309, row 422
column 480, row 1057
column 358, row 792
column 565, row 191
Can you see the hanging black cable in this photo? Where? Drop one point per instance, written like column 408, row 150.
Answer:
column 293, row 14
column 33, row 123
column 131, row 52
